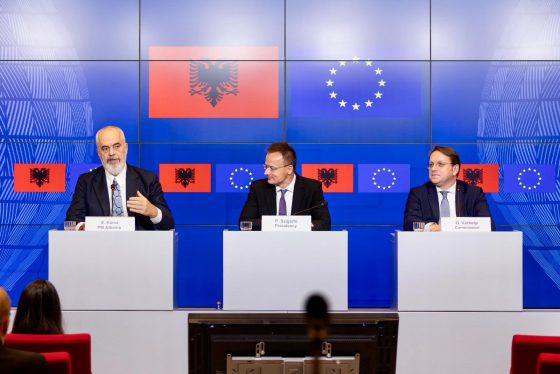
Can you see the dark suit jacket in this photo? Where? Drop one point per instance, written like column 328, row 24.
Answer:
column 13, row 361
column 307, row 193
column 423, row 206
column 91, row 197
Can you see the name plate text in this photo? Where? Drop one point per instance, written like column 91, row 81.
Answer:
column 110, row 224
column 286, row 223
column 465, row 224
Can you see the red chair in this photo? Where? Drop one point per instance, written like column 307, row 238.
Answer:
column 77, row 345
column 58, row 362
column 525, row 350
column 548, row 363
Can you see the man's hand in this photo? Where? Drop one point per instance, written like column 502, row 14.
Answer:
column 435, row 227
column 139, row 204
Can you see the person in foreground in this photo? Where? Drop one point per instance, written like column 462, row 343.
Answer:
column 38, row 310
column 444, row 195
column 103, row 191
column 13, row 361
column 284, row 192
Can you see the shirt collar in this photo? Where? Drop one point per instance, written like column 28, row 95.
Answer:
column 121, row 177
column 290, row 186
column 451, row 189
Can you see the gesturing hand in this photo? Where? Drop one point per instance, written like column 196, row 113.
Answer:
column 139, row 204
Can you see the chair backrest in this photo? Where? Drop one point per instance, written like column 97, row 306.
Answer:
column 548, row 363
column 525, row 351
column 77, row 345
column 58, row 362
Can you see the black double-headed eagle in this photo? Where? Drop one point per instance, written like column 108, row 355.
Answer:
column 39, row 176
column 213, row 80
column 473, row 176
column 184, row 176
column 328, row 176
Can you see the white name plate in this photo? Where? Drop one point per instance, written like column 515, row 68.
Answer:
column 465, row 224
column 110, row 224
column 286, row 223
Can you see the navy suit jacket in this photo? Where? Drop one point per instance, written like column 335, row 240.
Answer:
column 91, row 197
column 21, row 362
column 307, row 193
column 423, row 205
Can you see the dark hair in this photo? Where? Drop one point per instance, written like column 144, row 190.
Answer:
column 38, row 310
column 288, row 153
column 449, row 152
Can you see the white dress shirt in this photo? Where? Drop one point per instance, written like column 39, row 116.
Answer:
column 288, row 196
column 452, row 193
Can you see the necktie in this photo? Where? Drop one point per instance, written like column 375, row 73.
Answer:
column 444, row 206
column 282, row 211
column 117, row 200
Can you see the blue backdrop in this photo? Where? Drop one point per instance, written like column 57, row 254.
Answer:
column 370, row 83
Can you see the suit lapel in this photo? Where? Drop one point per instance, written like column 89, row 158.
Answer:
column 297, row 199
column 433, row 199
column 271, row 200
column 132, row 185
column 101, row 191
column 459, row 199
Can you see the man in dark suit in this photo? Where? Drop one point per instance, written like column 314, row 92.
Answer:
column 119, row 189
column 284, row 192
column 444, row 195
column 13, row 361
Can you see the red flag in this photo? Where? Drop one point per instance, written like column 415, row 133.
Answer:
column 199, row 82
column 39, row 177
column 185, row 177
column 334, row 177
column 485, row 176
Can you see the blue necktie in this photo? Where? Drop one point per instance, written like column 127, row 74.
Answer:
column 282, row 211
column 444, row 206
column 117, row 200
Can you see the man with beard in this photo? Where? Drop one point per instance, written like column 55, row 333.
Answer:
column 444, row 195
column 105, row 190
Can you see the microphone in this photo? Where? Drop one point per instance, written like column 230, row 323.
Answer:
column 317, row 326
column 321, row 204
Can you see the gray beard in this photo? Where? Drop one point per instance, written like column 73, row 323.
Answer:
column 115, row 169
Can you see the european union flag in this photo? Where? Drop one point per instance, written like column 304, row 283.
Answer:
column 237, row 177
column 355, row 89
column 383, row 178
column 529, row 178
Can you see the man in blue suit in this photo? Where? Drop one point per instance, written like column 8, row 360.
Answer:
column 119, row 189
column 444, row 195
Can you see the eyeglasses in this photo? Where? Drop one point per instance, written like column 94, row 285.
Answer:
column 106, row 148
column 274, row 168
column 438, row 165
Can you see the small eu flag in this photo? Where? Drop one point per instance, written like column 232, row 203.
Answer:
column 384, row 178
column 237, row 177
column 529, row 178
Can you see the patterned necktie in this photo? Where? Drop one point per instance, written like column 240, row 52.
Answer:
column 282, row 211
column 444, row 206
column 117, row 200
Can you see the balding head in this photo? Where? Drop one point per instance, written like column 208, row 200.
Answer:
column 5, row 306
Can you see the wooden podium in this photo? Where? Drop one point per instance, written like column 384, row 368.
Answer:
column 272, row 271
column 459, row 271
column 113, row 270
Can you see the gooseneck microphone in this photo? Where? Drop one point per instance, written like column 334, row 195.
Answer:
column 321, row 204
column 317, row 326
